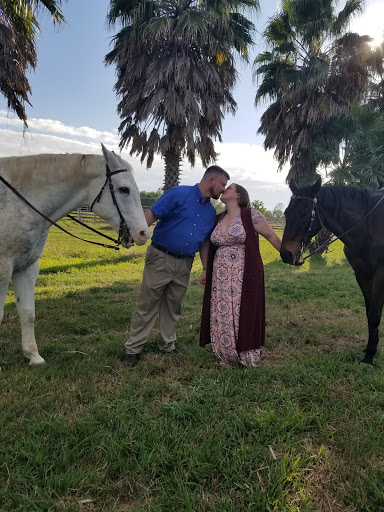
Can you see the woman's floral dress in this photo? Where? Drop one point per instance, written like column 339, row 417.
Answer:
column 227, row 281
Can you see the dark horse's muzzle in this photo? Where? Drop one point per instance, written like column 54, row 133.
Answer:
column 287, row 257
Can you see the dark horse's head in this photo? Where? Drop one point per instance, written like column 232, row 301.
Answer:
column 301, row 222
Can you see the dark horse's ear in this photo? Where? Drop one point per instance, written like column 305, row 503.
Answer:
column 316, row 187
column 292, row 185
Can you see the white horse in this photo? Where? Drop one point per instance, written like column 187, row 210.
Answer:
column 55, row 185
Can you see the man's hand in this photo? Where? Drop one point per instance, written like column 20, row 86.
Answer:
column 150, row 217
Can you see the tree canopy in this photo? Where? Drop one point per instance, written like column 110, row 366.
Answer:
column 175, row 75
column 360, row 159
column 259, row 205
column 18, row 30
column 312, row 72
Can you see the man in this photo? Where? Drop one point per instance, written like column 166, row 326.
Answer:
column 186, row 218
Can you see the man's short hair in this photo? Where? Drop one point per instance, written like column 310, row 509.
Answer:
column 215, row 170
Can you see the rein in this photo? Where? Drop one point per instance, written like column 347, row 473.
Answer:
column 97, row 199
column 332, row 238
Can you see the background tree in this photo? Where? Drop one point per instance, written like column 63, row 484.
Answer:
column 259, row 205
column 175, row 73
column 278, row 211
column 360, row 159
column 149, row 198
column 18, row 30
column 219, row 206
column 376, row 92
column 313, row 71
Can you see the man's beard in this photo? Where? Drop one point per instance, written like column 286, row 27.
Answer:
column 214, row 194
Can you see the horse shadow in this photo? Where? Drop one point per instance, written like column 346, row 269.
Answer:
column 90, row 323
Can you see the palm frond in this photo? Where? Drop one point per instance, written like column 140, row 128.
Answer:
column 351, row 9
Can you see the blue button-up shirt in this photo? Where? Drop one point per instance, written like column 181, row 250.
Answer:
column 185, row 219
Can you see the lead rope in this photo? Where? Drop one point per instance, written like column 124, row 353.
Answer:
column 332, row 238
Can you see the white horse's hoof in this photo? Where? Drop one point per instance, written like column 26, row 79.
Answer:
column 36, row 361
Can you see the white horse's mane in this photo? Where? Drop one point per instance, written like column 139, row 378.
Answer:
column 26, row 163
column 21, row 169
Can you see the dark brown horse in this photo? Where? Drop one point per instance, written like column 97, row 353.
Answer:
column 354, row 215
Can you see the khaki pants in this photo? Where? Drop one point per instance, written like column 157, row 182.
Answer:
column 165, row 281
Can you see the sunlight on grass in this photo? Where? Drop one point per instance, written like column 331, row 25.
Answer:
column 335, row 254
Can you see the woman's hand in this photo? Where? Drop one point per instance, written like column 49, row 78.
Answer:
column 203, row 277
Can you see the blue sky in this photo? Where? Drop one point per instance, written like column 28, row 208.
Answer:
column 74, row 106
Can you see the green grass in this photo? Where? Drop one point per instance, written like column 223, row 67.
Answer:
column 178, row 433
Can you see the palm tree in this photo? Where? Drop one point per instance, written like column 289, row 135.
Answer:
column 360, row 158
column 175, row 73
column 18, row 30
column 312, row 72
column 376, row 92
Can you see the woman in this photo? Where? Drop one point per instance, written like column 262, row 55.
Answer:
column 233, row 317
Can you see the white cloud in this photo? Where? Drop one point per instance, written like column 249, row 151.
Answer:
column 52, row 126
column 247, row 164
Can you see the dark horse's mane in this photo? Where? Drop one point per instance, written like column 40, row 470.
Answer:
column 336, row 196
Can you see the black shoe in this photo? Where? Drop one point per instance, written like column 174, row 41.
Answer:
column 131, row 359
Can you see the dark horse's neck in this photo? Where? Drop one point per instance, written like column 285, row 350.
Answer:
column 341, row 207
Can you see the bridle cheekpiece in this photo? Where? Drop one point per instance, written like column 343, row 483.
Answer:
column 308, row 235
column 108, row 180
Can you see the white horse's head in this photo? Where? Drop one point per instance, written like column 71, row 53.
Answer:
column 127, row 199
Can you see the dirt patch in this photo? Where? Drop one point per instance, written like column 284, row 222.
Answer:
column 326, row 483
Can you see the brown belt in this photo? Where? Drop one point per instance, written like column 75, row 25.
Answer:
column 166, row 251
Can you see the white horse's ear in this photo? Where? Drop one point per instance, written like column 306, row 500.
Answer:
column 105, row 151
column 110, row 156
column 292, row 185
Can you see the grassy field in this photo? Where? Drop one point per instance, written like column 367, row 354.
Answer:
column 304, row 432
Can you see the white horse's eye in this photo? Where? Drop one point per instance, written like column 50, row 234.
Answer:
column 124, row 190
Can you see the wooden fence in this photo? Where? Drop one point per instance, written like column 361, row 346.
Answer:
column 86, row 215
column 278, row 225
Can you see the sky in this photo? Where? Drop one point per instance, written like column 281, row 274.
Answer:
column 74, row 106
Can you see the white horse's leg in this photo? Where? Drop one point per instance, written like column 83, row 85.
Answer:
column 24, row 287
column 4, row 282
column 5, row 277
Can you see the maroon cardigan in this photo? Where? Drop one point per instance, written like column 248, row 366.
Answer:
column 252, row 309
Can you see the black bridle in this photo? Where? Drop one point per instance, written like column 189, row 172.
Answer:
column 108, row 179
column 332, row 238
column 308, row 234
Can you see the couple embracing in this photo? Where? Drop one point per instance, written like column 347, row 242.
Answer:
column 233, row 316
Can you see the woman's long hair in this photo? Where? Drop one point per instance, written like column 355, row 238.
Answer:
column 244, row 196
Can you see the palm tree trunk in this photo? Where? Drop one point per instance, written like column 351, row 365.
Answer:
column 321, row 237
column 172, row 160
